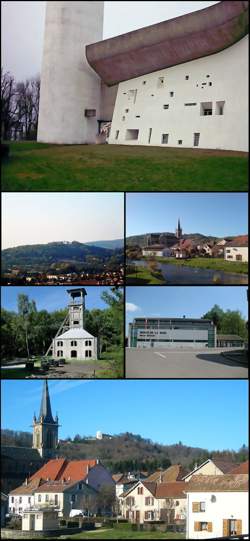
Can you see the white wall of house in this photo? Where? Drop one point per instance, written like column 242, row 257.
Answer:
column 151, row 110
column 159, row 253
column 18, row 503
column 85, row 348
column 144, row 506
column 40, row 521
column 236, row 253
column 227, row 506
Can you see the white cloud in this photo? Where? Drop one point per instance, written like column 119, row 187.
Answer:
column 131, row 307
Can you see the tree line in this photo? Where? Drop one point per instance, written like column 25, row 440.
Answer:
column 227, row 322
column 20, row 107
column 29, row 332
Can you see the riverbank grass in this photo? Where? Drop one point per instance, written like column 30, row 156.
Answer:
column 218, row 264
column 143, row 275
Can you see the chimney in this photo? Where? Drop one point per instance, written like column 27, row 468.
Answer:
column 161, row 477
column 26, row 481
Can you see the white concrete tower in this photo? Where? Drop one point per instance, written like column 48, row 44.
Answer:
column 70, row 89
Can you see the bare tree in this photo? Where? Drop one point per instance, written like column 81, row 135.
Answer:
column 9, row 106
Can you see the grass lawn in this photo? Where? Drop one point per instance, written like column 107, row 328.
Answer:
column 113, row 364
column 218, row 264
column 41, row 167
column 142, row 275
column 124, row 533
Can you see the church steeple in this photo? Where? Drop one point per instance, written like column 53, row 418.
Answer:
column 45, row 409
column 178, row 231
column 45, row 427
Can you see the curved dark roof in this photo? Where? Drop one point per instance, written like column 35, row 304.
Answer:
column 169, row 43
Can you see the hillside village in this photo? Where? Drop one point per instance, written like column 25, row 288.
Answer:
column 51, row 493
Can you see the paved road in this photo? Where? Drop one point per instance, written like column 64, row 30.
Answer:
column 166, row 363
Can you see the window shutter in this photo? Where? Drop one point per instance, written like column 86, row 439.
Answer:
column 238, row 527
column 225, row 527
column 197, row 526
column 209, row 526
column 196, row 507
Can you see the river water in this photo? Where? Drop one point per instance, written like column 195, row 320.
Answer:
column 178, row 274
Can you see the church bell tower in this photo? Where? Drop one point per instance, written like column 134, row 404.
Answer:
column 45, row 427
column 178, row 231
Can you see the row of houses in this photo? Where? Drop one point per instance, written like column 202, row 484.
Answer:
column 209, row 502
column 231, row 250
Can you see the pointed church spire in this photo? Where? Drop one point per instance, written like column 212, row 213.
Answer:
column 45, row 409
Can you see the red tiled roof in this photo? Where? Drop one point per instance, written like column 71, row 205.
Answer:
column 171, row 490
column 242, row 468
column 175, row 472
column 60, row 468
column 241, row 240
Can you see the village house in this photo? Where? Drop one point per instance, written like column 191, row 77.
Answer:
column 148, row 501
column 175, row 472
column 217, row 506
column 212, row 466
column 158, row 250
column 66, row 496
column 237, row 249
column 57, row 481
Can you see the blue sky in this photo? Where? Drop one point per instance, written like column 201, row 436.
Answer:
column 167, row 411
column 34, row 218
column 166, row 301
column 216, row 214
column 51, row 298
column 22, row 50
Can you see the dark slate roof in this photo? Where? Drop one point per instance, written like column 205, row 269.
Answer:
column 45, row 409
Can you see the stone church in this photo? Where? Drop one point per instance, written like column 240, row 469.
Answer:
column 19, row 463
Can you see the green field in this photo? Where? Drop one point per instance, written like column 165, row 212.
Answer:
column 218, row 264
column 124, row 532
column 35, row 166
column 143, row 275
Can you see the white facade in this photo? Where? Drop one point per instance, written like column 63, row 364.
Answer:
column 70, row 89
column 202, row 103
column 40, row 520
column 140, row 505
column 224, row 513
column 236, row 253
column 172, row 338
column 157, row 252
column 75, row 344
column 19, row 502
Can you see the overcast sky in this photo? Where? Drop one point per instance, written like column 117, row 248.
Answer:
column 23, row 27
column 38, row 218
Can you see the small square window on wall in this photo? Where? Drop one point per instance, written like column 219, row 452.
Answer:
column 164, row 138
column 179, row 141
column 171, row 94
column 132, row 95
column 160, row 82
column 132, row 135
column 219, row 109
column 144, row 82
column 187, row 77
column 206, row 108
column 116, row 134
column 166, row 106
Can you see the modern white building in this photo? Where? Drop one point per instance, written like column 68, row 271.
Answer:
column 217, row 506
column 171, row 332
column 176, row 83
column 72, row 340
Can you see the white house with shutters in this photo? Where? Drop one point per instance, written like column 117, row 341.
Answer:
column 217, row 506
column 148, row 501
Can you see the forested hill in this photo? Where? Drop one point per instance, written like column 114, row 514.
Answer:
column 36, row 255
column 110, row 244
column 130, row 452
